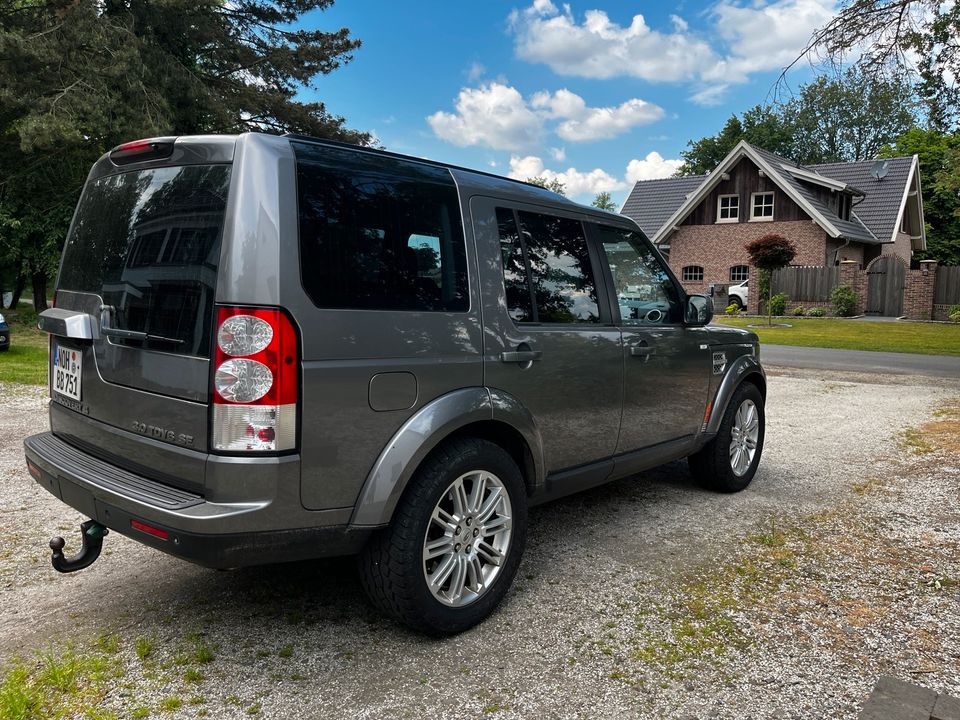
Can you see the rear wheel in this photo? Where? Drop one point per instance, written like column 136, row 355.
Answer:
column 735, row 300
column 729, row 461
column 455, row 541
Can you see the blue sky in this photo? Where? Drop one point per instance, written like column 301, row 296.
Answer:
column 598, row 94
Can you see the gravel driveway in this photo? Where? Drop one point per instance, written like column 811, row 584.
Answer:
column 649, row 597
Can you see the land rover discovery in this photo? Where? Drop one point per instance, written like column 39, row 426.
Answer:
column 268, row 348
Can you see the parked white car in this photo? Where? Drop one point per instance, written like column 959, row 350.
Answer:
column 738, row 294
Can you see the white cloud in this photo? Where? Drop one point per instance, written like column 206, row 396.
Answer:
column 575, row 181
column 475, row 71
column 600, row 48
column 493, row 114
column 558, row 154
column 749, row 37
column 652, row 167
column 589, row 183
column 497, row 115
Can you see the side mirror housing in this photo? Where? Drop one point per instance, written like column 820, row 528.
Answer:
column 698, row 310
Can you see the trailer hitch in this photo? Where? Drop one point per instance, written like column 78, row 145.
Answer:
column 93, row 534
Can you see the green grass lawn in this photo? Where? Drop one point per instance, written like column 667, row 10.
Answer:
column 26, row 360
column 902, row 336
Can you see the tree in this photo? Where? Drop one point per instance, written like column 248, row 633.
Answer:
column 839, row 120
column 80, row 76
column 849, row 119
column 768, row 253
column 763, row 126
column 913, row 37
column 603, row 201
column 939, row 155
column 552, row 185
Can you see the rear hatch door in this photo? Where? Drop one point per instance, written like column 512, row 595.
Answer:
column 141, row 261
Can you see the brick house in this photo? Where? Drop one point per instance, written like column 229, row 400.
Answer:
column 842, row 211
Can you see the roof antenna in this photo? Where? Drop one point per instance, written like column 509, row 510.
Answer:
column 880, row 169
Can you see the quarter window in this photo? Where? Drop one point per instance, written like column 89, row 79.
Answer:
column 559, row 277
column 762, row 206
column 739, row 273
column 692, row 273
column 728, row 208
column 379, row 233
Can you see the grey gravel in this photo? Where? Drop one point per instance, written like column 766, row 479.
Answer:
column 606, row 574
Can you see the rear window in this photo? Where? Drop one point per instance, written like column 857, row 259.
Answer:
column 148, row 243
column 379, row 233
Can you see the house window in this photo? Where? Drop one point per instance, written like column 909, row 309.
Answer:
column 761, row 206
column 728, row 208
column 693, row 273
column 739, row 273
column 843, row 209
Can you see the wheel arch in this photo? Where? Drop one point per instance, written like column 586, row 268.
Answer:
column 745, row 368
column 470, row 412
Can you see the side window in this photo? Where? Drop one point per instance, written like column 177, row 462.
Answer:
column 519, row 302
column 546, row 269
column 692, row 273
column 564, row 288
column 379, row 233
column 739, row 273
column 645, row 292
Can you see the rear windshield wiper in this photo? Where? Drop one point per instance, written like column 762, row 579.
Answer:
column 106, row 311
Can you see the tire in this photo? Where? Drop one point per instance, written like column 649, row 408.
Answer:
column 735, row 300
column 718, row 464
column 395, row 569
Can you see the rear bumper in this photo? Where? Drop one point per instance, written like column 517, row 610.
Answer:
column 219, row 535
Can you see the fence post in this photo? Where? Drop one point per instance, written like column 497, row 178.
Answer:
column 852, row 275
column 919, row 290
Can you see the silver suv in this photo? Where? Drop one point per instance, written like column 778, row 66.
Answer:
column 266, row 349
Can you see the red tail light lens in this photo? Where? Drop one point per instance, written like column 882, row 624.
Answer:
column 255, row 381
column 140, row 150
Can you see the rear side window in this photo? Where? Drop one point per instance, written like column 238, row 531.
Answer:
column 148, row 243
column 556, row 265
column 379, row 233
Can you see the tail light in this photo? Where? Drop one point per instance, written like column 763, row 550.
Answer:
column 141, row 150
column 255, row 376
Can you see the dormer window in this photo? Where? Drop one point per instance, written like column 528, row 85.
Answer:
column 761, row 206
column 728, row 209
column 843, row 207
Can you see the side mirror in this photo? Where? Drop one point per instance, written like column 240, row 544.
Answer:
column 698, row 310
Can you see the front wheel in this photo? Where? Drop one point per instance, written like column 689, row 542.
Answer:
column 735, row 300
column 729, row 461
column 454, row 544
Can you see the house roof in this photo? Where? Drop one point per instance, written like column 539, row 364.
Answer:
column 659, row 205
column 880, row 208
column 652, row 202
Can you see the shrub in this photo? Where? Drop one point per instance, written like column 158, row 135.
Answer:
column 778, row 304
column 816, row 312
column 732, row 309
column 799, row 311
column 954, row 313
column 844, row 300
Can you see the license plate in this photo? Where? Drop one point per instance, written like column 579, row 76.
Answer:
column 66, row 371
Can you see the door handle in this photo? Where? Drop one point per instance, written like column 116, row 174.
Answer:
column 520, row 356
column 642, row 350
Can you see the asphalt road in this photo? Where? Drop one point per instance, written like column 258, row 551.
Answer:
column 887, row 363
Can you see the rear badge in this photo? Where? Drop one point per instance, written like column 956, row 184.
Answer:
column 719, row 363
column 160, row 433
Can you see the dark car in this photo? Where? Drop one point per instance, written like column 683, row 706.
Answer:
column 268, row 349
column 4, row 334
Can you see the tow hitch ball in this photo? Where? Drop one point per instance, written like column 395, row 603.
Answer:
column 93, row 534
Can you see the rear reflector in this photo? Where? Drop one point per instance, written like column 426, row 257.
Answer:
column 141, row 150
column 34, row 471
column 150, row 530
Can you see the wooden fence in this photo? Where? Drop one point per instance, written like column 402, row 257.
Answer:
column 806, row 284
column 947, row 290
